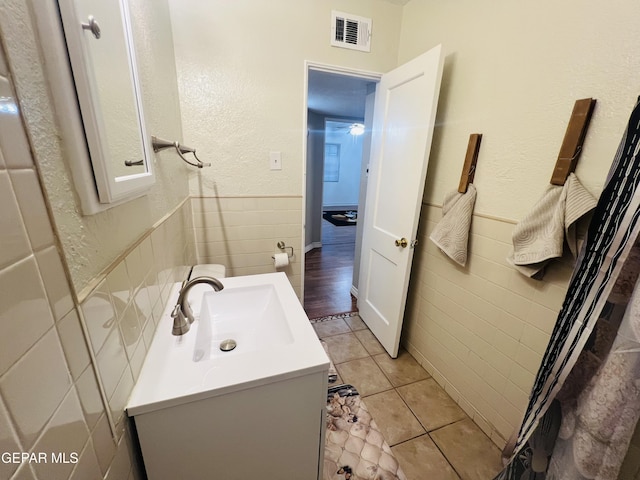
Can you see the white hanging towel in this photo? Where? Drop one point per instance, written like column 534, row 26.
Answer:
column 540, row 235
column 451, row 234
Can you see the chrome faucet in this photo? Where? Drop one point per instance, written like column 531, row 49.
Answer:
column 182, row 314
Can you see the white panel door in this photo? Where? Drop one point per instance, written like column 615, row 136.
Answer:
column 403, row 121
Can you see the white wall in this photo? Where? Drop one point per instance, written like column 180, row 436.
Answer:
column 344, row 192
column 241, row 76
column 512, row 72
column 50, row 395
column 92, row 243
column 315, row 149
column 364, row 177
column 50, row 399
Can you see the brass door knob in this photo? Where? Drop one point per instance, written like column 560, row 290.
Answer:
column 402, row 243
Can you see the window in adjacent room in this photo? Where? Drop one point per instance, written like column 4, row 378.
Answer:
column 331, row 162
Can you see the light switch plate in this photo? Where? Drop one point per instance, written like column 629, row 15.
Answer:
column 275, row 160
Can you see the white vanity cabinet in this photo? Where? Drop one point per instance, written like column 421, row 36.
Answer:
column 272, row 431
column 254, row 412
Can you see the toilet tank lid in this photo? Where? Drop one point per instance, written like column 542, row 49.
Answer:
column 209, row 270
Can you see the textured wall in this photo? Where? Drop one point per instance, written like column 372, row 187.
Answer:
column 241, row 78
column 513, row 72
column 50, row 400
column 92, row 243
column 241, row 74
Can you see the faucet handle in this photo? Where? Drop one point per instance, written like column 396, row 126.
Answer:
column 180, row 323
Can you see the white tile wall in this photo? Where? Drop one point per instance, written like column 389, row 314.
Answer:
column 122, row 311
column 15, row 244
column 8, row 441
column 32, row 207
column 87, row 464
column 481, row 330
column 242, row 232
column 52, row 272
column 66, row 432
column 71, row 335
column 49, row 396
column 15, row 146
column 26, row 315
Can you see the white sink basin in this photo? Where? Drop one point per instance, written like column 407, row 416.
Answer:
column 252, row 317
column 275, row 341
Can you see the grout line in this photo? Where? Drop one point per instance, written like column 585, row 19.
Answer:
column 423, row 426
column 449, row 424
column 444, row 456
column 411, row 439
column 396, row 390
column 441, row 451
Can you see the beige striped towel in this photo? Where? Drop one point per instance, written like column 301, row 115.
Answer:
column 451, row 234
column 539, row 237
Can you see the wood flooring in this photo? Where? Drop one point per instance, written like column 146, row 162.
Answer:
column 329, row 272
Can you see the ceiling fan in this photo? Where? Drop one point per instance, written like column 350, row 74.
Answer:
column 354, row 129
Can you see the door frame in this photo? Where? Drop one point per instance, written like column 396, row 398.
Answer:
column 338, row 70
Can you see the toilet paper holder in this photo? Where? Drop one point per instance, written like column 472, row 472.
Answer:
column 282, row 246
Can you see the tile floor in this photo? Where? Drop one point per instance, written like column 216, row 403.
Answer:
column 429, row 434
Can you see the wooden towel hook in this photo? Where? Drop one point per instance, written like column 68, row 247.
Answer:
column 470, row 161
column 573, row 140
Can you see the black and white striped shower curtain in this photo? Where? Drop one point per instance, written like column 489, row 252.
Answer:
column 612, row 233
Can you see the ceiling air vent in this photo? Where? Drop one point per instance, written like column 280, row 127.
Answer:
column 350, row 31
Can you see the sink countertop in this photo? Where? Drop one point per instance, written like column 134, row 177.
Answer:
column 171, row 377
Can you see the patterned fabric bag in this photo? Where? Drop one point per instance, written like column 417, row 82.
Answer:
column 355, row 448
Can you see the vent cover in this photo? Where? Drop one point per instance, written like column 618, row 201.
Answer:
column 350, row 31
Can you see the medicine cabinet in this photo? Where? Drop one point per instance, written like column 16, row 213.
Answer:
column 99, row 42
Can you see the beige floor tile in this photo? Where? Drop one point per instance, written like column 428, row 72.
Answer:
column 420, row 459
column 331, row 327
column 431, row 404
column 369, row 341
column 345, row 347
column 401, row 370
column 469, row 450
column 355, row 323
column 365, row 375
column 395, row 420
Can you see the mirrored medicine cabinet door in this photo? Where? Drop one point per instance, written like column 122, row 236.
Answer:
column 99, row 39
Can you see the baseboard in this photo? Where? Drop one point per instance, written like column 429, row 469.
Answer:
column 354, row 291
column 311, row 246
column 345, row 208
